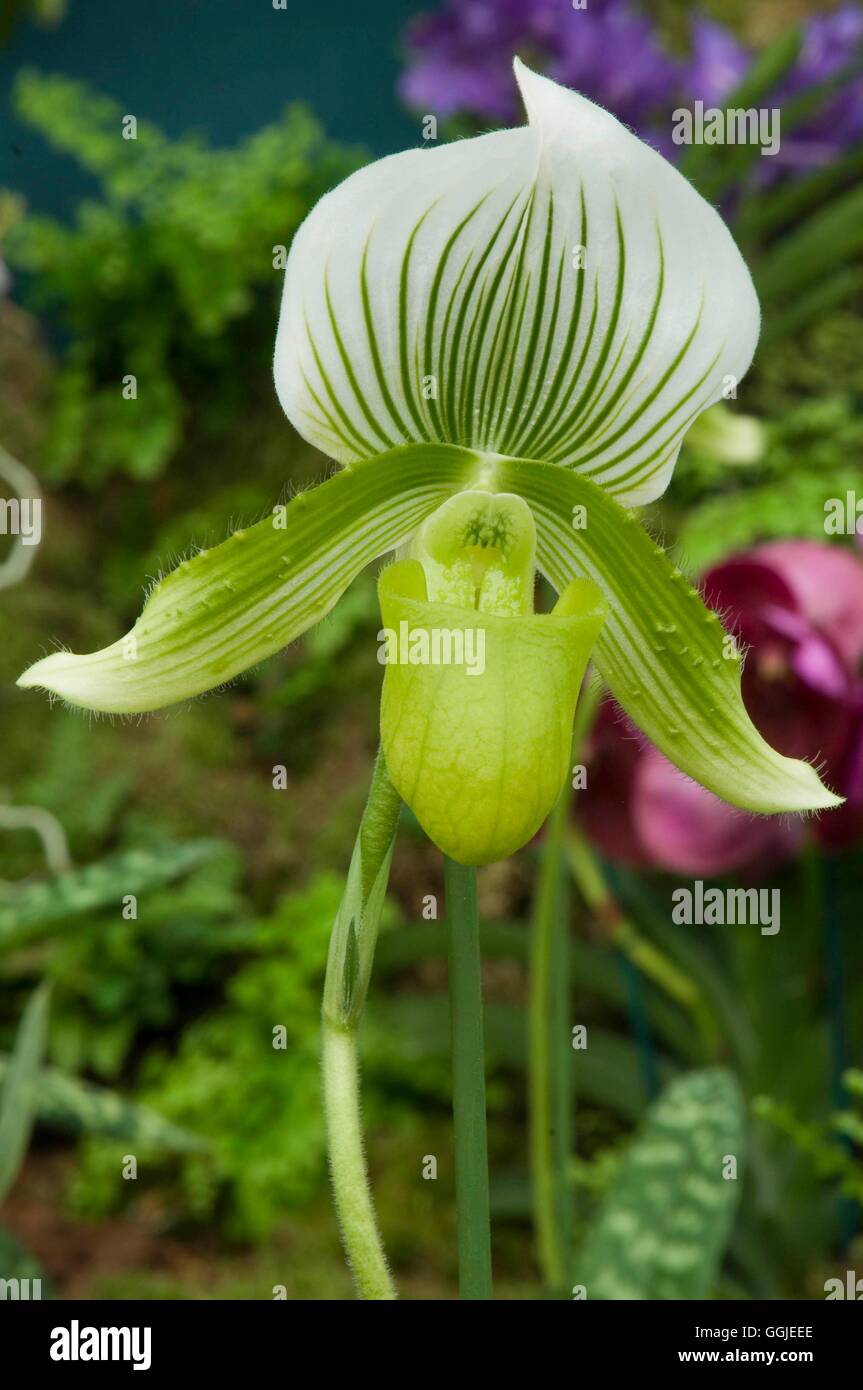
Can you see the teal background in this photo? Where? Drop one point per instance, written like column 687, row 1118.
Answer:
column 224, row 67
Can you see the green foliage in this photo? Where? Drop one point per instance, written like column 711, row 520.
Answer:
column 18, row 1111
column 805, row 463
column 257, row 1101
column 35, row 909
column 773, row 511
column 46, row 13
column 17, row 1100
column 823, row 360
column 828, row 1148
column 169, row 277
column 665, row 1221
column 825, row 241
column 119, row 966
column 77, row 1107
column 18, row 1263
column 57, row 773
column 118, row 978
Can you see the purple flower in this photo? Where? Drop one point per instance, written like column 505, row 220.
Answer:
column 613, row 56
column 718, row 62
column 829, row 44
column 460, row 63
column 461, row 59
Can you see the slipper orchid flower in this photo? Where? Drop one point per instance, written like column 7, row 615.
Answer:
column 503, row 341
column 535, row 316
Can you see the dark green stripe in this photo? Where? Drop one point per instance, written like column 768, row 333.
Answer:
column 429, row 365
column 527, row 444
column 375, row 353
column 549, row 444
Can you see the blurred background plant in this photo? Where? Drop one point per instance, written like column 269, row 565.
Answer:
column 168, row 276
column 182, row 1027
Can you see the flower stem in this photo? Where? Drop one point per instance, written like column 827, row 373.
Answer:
column 550, row 1091
column 349, row 965
column 468, row 1084
column 550, row 1061
column 348, row 1165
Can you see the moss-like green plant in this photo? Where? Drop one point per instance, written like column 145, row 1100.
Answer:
column 169, row 276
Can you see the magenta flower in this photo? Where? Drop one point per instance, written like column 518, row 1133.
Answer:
column 798, row 608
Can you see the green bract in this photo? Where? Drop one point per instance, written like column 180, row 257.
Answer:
column 541, row 312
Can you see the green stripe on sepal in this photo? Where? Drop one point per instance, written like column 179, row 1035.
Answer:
column 230, row 607
column 664, row 654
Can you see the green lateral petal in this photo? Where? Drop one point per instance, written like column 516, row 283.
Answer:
column 230, row 607
column 663, row 653
column 557, row 291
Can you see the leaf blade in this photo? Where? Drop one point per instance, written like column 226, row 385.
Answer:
column 36, row 908
column 78, row 1107
column 18, row 1106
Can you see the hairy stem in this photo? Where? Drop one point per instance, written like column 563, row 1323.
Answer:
column 348, row 1165
column 349, row 965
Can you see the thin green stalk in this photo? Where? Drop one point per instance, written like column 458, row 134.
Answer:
column 550, row 1063
column 468, row 1083
column 349, row 965
column 591, row 883
column 549, row 1090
